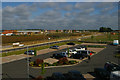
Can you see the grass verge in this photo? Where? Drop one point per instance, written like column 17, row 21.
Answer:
column 36, row 48
column 95, row 46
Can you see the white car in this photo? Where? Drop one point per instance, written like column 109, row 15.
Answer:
column 80, row 48
column 72, row 51
column 115, row 75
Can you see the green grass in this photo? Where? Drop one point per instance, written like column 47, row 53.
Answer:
column 102, row 38
column 95, row 46
column 35, row 48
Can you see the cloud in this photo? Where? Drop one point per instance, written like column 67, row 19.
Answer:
column 60, row 16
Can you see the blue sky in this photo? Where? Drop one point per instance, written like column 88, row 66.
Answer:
column 59, row 15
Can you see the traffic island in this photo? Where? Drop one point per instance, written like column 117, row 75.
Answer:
column 51, row 63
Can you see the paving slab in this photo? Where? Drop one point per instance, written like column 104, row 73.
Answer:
column 88, row 76
column 50, row 60
column 95, row 49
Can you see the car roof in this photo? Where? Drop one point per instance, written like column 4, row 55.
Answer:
column 57, row 74
column 74, row 71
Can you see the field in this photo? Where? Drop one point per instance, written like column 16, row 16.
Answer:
column 102, row 38
column 32, row 39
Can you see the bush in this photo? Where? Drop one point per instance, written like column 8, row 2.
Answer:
column 39, row 78
column 72, row 62
column 63, row 61
column 31, row 63
column 38, row 61
column 55, row 64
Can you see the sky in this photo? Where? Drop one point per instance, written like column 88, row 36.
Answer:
column 59, row 15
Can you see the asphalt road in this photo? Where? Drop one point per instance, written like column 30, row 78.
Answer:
column 20, row 48
column 20, row 69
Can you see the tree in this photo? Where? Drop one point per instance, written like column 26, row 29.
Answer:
column 68, row 52
column 104, row 29
column 64, row 30
column 56, row 30
column 35, row 53
column 92, row 37
column 43, row 68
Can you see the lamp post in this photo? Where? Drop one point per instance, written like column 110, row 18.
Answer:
column 49, row 41
column 28, row 62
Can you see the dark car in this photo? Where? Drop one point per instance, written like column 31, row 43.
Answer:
column 58, row 76
column 58, row 55
column 74, row 75
column 30, row 52
column 104, row 73
column 54, row 47
column 81, row 54
column 70, row 43
column 77, row 56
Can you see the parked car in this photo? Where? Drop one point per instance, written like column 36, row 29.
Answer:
column 71, row 51
column 54, row 47
column 58, row 76
column 77, row 56
column 59, row 55
column 115, row 75
column 86, row 52
column 74, row 75
column 30, row 52
column 104, row 73
column 70, row 43
column 80, row 48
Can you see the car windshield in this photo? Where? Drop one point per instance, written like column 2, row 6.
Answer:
column 54, row 46
column 74, row 50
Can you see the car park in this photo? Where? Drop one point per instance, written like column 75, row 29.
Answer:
column 54, row 47
column 59, row 55
column 104, row 73
column 30, row 52
column 74, row 75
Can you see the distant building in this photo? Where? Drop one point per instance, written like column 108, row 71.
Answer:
column 9, row 32
column 28, row 32
column 51, row 31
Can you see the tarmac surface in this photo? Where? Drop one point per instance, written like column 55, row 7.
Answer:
column 21, row 69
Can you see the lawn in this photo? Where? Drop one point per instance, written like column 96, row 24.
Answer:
column 102, row 38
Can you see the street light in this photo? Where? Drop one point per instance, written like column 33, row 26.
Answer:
column 49, row 41
column 28, row 62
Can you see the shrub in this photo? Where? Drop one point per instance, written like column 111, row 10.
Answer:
column 38, row 61
column 39, row 78
column 31, row 63
column 63, row 60
column 72, row 62
column 55, row 64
